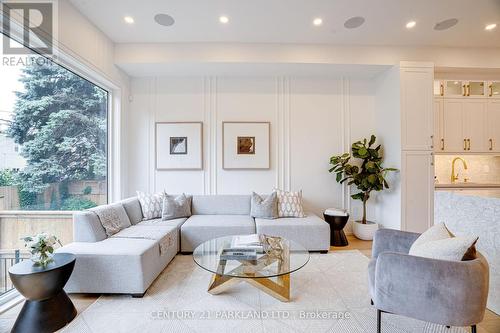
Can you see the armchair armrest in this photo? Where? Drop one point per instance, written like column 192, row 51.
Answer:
column 389, row 240
column 438, row 291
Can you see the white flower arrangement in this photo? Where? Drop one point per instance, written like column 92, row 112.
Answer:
column 41, row 247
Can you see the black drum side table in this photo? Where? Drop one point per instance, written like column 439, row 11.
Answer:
column 47, row 307
column 337, row 224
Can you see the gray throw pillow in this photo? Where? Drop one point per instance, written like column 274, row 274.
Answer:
column 176, row 207
column 264, row 208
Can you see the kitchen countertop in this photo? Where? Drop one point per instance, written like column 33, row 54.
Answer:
column 466, row 185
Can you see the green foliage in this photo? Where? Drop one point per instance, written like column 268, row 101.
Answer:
column 77, row 203
column 368, row 177
column 87, row 190
column 7, row 177
column 27, row 200
column 60, row 120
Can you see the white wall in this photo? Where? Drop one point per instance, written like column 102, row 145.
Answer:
column 311, row 119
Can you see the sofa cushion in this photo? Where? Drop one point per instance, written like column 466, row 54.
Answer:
column 166, row 236
column 311, row 232
column 176, row 206
column 159, row 222
column 201, row 228
column 115, row 265
column 151, row 204
column 266, row 208
column 221, row 205
column 133, row 209
column 113, row 217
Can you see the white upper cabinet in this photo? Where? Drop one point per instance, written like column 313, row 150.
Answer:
column 438, row 121
column 454, row 88
column 475, row 125
column 416, row 105
column 452, row 126
column 493, row 90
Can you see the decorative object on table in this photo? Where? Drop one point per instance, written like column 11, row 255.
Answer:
column 337, row 219
column 176, row 207
column 238, row 254
column 442, row 292
column 264, row 208
column 41, row 247
column 245, row 145
column 438, row 242
column 47, row 307
column 290, row 203
column 370, row 176
column 151, row 204
column 179, row 145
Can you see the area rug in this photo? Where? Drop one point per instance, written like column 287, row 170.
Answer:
column 330, row 294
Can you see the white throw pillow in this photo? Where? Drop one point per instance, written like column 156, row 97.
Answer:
column 151, row 204
column 290, row 204
column 439, row 243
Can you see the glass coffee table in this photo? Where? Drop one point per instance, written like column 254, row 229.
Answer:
column 269, row 271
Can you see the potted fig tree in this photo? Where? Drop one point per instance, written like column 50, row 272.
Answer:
column 368, row 175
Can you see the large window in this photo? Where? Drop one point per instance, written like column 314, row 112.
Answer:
column 53, row 153
column 53, row 137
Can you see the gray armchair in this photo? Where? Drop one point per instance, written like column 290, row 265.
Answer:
column 451, row 293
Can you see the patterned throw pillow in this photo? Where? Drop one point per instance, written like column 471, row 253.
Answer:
column 290, row 204
column 151, row 204
column 113, row 218
column 264, row 208
column 176, row 207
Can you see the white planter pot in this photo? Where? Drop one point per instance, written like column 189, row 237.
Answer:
column 364, row 231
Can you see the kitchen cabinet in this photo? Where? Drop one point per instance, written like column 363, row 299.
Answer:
column 474, row 125
column 438, row 139
column 417, row 190
column 493, row 89
column 493, row 125
column 467, row 88
column 416, row 108
column 452, row 127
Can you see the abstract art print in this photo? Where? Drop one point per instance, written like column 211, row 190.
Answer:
column 245, row 145
column 179, row 145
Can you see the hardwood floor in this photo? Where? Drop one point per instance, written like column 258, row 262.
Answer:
column 490, row 324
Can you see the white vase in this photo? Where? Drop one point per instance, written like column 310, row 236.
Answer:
column 364, row 231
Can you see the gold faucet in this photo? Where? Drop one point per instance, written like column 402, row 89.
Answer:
column 453, row 176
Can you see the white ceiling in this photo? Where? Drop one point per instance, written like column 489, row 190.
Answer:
column 290, row 21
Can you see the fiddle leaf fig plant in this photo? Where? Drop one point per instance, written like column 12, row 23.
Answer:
column 368, row 177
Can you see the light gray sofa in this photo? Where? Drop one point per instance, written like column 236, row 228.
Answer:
column 451, row 293
column 129, row 261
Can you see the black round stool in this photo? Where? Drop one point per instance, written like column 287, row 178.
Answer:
column 47, row 307
column 337, row 224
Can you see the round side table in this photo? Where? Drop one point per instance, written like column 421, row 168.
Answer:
column 337, row 224
column 47, row 307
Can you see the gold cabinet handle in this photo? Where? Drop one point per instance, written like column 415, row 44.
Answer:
column 491, row 91
column 468, row 144
column 465, row 144
column 464, row 90
column 491, row 144
column 441, row 89
column 467, row 89
column 442, row 144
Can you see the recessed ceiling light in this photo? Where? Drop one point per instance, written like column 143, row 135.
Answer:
column 354, row 22
column 411, row 24
column 490, row 27
column 318, row 21
column 224, row 19
column 129, row 19
column 164, row 19
column 446, row 24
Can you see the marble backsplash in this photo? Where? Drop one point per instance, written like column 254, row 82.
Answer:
column 480, row 168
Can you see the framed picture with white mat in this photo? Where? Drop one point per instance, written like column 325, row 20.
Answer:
column 245, row 145
column 179, row 145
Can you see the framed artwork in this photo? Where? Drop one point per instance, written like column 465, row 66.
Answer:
column 245, row 145
column 179, row 145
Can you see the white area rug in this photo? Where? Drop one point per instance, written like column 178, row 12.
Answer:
column 330, row 285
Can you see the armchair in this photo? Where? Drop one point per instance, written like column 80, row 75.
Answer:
column 451, row 293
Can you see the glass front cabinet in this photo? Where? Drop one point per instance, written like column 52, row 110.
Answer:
column 467, row 88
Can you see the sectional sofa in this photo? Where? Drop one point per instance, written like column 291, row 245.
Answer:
column 130, row 260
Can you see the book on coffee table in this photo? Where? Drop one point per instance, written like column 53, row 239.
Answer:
column 238, row 254
column 248, row 242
